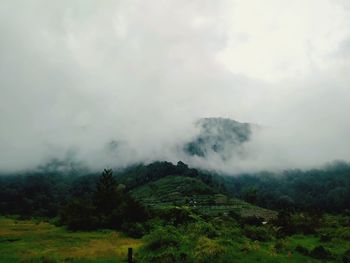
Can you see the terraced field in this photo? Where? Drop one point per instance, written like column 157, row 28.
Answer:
column 187, row 191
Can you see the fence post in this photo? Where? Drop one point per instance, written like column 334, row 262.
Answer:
column 130, row 255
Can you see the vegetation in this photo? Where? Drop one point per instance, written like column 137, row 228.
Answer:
column 171, row 213
column 325, row 189
column 39, row 241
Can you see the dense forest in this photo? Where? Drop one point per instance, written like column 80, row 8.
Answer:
column 326, row 189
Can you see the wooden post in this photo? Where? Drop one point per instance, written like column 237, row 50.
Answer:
column 130, row 255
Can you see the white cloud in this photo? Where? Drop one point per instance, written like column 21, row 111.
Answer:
column 76, row 75
column 274, row 39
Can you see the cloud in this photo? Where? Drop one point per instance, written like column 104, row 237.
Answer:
column 78, row 75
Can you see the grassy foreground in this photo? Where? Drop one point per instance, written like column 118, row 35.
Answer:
column 201, row 242
column 35, row 241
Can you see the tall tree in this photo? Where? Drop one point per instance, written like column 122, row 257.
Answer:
column 107, row 197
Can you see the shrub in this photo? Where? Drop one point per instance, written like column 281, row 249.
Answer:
column 169, row 256
column 346, row 256
column 165, row 245
column 252, row 220
column 177, row 215
column 280, row 245
column 207, row 250
column 235, row 215
column 345, row 233
column 135, row 230
column 257, row 233
column 163, row 238
column 302, row 250
column 202, row 229
column 325, row 238
column 320, row 252
column 79, row 214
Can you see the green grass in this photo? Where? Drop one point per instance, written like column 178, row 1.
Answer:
column 34, row 241
column 213, row 241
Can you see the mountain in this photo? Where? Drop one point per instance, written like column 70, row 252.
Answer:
column 218, row 136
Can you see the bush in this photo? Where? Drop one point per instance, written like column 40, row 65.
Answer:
column 165, row 245
column 208, row 250
column 257, row 233
column 202, row 229
column 320, row 252
column 135, row 230
column 163, row 238
column 252, row 220
column 79, row 214
column 280, row 245
column 346, row 256
column 233, row 214
column 345, row 233
column 169, row 256
column 177, row 215
column 302, row 250
column 325, row 238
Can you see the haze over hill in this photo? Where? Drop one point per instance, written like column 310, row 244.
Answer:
column 119, row 82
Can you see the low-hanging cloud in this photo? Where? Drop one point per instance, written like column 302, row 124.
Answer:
column 116, row 82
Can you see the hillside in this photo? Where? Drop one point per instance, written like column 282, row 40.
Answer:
column 162, row 184
column 192, row 192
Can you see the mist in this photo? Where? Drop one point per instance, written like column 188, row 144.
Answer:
column 112, row 83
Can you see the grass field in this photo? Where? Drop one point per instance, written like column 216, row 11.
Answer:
column 35, row 241
column 38, row 241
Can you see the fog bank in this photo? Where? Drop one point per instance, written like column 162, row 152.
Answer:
column 117, row 82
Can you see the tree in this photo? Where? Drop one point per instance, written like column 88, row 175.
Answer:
column 108, row 200
column 250, row 194
column 107, row 197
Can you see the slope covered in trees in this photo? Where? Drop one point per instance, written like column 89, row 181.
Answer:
column 326, row 189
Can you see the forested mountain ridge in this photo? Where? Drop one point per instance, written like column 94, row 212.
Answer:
column 43, row 192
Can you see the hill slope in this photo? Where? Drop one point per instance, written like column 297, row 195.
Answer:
column 162, row 184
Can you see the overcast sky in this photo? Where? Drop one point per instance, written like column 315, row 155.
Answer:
column 76, row 75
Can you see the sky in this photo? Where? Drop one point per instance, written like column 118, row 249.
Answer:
column 111, row 83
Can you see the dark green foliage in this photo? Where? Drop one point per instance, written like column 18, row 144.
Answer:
column 166, row 244
column 177, row 215
column 163, row 238
column 280, row 245
column 258, row 233
column 302, row 250
column 132, row 229
column 79, row 214
column 251, row 220
column 108, row 207
column 107, row 197
column 346, row 256
column 208, row 230
column 250, row 194
column 325, row 189
column 320, row 252
column 303, row 223
column 142, row 174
